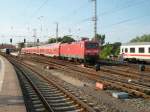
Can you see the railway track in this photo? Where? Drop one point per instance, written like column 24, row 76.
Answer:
column 135, row 66
column 45, row 95
column 127, row 73
column 113, row 80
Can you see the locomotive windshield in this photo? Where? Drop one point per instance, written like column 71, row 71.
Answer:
column 92, row 45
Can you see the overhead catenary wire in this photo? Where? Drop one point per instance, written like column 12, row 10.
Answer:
column 125, row 21
column 74, row 12
column 109, row 12
column 39, row 8
column 45, row 2
column 121, row 8
column 112, row 11
column 104, row 13
column 35, row 12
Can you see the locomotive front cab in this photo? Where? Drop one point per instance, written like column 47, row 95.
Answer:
column 91, row 51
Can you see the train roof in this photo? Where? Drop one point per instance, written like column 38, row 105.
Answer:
column 136, row 43
column 51, row 44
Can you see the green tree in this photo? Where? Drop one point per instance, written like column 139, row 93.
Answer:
column 116, row 48
column 67, row 39
column 106, row 51
column 51, row 40
column 100, row 38
column 54, row 40
column 110, row 49
column 59, row 39
column 143, row 38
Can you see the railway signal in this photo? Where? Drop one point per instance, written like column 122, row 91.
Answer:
column 11, row 40
column 38, row 40
column 24, row 40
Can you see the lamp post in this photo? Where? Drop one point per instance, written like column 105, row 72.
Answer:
column 40, row 19
column 56, row 31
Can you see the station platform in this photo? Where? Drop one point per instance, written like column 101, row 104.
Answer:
column 11, row 98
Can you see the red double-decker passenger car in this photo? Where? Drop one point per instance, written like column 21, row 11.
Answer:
column 82, row 50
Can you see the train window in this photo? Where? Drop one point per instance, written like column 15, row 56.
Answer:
column 149, row 49
column 126, row 50
column 132, row 50
column 122, row 49
column 92, row 45
column 141, row 50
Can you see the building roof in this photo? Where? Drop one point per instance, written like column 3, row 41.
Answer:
column 136, row 43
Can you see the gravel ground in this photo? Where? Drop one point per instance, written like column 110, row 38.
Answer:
column 85, row 88
column 69, row 79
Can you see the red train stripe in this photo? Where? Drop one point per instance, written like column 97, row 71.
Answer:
column 145, row 55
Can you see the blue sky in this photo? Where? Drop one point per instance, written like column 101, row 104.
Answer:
column 119, row 20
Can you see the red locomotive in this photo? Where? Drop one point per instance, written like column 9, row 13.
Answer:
column 87, row 51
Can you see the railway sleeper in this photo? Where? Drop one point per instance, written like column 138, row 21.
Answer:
column 55, row 98
column 47, row 89
column 32, row 93
column 37, row 101
column 40, row 110
column 53, row 95
column 77, row 110
column 34, row 98
column 28, row 87
column 63, row 103
column 67, row 108
column 54, row 92
column 38, row 105
column 59, row 100
column 43, row 86
column 43, row 83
